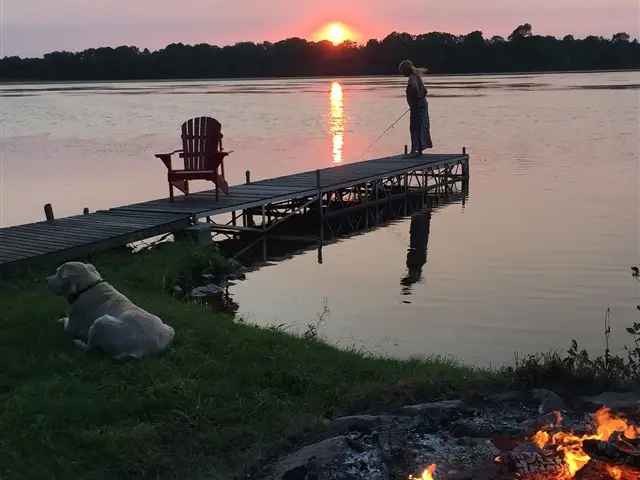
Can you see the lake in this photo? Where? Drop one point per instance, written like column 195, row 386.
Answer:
column 541, row 248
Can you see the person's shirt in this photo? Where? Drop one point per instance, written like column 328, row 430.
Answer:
column 416, row 90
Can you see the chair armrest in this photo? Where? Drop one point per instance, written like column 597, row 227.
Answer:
column 166, row 158
column 160, row 155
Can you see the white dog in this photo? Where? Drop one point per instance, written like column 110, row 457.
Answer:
column 103, row 318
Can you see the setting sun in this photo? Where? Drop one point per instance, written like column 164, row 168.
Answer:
column 336, row 33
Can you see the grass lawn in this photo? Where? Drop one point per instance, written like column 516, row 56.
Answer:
column 225, row 395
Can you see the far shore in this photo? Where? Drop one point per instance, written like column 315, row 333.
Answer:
column 319, row 77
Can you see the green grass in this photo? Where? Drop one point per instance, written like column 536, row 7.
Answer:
column 225, row 395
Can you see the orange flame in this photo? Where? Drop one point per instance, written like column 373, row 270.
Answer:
column 614, row 472
column 608, row 423
column 427, row 474
column 570, row 445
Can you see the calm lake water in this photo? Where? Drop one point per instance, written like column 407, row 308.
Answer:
column 542, row 247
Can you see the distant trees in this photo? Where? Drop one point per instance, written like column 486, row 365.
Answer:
column 440, row 52
column 620, row 37
column 521, row 31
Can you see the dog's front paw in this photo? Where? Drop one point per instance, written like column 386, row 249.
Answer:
column 81, row 345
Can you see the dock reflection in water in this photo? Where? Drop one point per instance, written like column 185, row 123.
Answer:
column 294, row 238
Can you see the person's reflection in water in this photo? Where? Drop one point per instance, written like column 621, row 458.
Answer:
column 417, row 253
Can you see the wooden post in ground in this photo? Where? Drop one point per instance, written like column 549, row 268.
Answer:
column 48, row 213
column 85, row 211
column 247, row 177
column 406, row 150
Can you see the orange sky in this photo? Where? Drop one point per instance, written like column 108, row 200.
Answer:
column 32, row 27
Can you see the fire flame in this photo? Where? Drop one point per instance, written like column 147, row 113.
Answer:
column 614, row 472
column 570, row 445
column 427, row 474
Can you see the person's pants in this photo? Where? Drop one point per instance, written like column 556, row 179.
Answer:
column 419, row 127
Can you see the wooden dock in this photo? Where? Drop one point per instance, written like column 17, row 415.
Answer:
column 255, row 206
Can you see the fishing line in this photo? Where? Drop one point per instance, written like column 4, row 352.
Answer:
column 388, row 129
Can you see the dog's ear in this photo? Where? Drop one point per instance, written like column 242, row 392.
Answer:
column 62, row 272
column 65, row 280
column 92, row 269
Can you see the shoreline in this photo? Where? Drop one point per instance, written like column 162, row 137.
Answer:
column 319, row 77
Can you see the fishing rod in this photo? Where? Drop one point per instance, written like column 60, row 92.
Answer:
column 384, row 133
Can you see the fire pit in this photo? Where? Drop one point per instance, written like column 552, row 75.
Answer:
column 505, row 437
column 606, row 446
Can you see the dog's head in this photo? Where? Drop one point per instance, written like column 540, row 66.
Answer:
column 73, row 277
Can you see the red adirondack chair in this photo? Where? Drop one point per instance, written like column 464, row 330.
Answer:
column 202, row 153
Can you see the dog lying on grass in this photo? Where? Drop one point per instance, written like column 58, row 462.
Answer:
column 102, row 318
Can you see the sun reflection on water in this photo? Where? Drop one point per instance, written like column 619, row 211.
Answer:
column 336, row 121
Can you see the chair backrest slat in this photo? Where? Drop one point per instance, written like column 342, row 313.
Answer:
column 201, row 141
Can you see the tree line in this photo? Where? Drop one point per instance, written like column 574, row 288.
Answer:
column 521, row 51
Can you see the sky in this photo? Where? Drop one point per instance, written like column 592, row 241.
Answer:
column 34, row 27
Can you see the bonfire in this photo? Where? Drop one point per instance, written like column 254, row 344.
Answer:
column 614, row 440
column 609, row 448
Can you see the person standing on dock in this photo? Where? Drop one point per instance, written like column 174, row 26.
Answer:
column 417, row 100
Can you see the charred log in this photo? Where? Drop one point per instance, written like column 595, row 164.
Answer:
column 618, row 450
column 531, row 463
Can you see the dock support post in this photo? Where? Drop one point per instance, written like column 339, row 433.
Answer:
column 48, row 213
column 234, row 221
column 406, row 192
column 85, row 211
column 365, row 199
column 320, row 215
column 465, row 164
column 465, row 176
column 376, row 197
column 406, row 150
column 245, row 215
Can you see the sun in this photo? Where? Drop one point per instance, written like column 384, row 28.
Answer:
column 336, row 33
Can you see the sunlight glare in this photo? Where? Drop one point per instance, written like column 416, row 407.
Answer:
column 336, row 121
